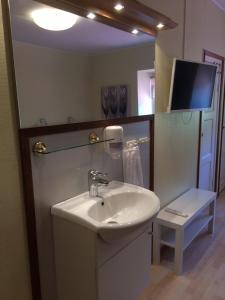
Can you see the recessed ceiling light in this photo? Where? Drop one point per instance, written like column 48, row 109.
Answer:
column 91, row 16
column 53, row 19
column 160, row 25
column 119, row 7
column 135, row 31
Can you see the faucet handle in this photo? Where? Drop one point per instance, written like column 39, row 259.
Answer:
column 97, row 177
column 102, row 179
column 102, row 174
column 93, row 173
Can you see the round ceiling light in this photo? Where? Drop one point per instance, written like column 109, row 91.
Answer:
column 53, row 19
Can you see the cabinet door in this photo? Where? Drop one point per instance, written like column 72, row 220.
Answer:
column 126, row 275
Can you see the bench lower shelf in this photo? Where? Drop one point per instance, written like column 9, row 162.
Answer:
column 190, row 232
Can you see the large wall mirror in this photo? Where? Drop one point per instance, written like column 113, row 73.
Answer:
column 88, row 72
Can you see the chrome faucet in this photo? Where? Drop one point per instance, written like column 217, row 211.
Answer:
column 96, row 178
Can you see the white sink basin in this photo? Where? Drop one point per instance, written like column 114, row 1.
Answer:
column 122, row 208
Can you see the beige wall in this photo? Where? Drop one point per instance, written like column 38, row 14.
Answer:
column 169, row 44
column 205, row 29
column 55, row 84
column 204, row 34
column 51, row 84
column 175, row 134
column 14, row 269
column 176, row 138
column 176, row 141
column 120, row 67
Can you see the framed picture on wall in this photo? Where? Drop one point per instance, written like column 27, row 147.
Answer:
column 114, row 101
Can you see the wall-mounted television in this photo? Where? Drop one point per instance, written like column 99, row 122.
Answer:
column 192, row 85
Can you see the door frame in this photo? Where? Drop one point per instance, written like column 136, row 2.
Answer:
column 220, row 124
column 221, row 134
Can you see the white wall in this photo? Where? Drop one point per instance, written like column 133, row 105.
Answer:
column 51, row 84
column 64, row 174
column 176, row 146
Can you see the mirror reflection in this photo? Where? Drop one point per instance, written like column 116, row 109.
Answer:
column 87, row 72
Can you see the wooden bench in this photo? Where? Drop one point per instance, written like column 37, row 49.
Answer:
column 179, row 231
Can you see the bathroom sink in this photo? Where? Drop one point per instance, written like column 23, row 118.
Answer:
column 121, row 209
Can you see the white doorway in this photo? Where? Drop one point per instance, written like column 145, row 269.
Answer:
column 210, row 128
column 146, row 92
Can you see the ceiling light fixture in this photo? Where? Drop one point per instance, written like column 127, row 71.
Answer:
column 53, row 19
column 135, row 31
column 160, row 26
column 119, row 7
column 91, row 15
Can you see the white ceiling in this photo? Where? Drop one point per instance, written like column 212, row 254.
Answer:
column 220, row 4
column 86, row 35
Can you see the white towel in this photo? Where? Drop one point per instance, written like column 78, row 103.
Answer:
column 132, row 168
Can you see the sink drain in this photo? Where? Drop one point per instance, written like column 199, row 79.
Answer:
column 112, row 222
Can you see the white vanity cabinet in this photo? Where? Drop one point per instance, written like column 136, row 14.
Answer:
column 125, row 275
column 103, row 247
column 89, row 268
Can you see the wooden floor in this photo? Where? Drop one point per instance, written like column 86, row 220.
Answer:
column 204, row 268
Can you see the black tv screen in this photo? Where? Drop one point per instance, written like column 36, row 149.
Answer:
column 192, row 85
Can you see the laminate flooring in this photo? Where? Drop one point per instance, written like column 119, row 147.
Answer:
column 204, row 268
